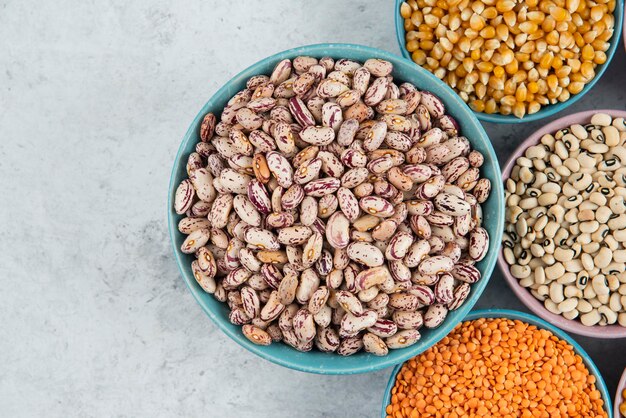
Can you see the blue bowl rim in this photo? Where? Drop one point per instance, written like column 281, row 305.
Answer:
column 533, row 320
column 545, row 111
column 381, row 362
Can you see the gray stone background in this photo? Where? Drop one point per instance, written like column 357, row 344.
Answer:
column 95, row 97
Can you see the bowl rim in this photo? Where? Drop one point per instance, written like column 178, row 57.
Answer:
column 618, row 394
column 316, row 50
column 596, row 331
column 530, row 319
column 545, row 111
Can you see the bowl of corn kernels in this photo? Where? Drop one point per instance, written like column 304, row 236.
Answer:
column 512, row 61
column 620, row 398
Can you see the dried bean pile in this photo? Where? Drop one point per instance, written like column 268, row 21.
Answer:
column 497, row 368
column 565, row 236
column 331, row 206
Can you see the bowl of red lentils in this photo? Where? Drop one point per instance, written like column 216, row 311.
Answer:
column 620, row 398
column 510, row 61
column 499, row 363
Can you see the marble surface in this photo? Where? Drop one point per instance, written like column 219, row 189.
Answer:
column 95, row 97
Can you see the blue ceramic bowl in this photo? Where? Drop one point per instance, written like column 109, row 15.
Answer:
column 545, row 111
column 493, row 210
column 533, row 320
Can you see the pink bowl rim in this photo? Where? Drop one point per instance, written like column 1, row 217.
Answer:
column 618, row 395
column 608, row 332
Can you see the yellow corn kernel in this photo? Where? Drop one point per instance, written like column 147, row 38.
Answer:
column 419, row 57
column 533, row 107
column 546, row 60
column 574, row 64
column 533, row 87
column 536, row 16
column 452, row 80
column 512, row 67
column 491, row 44
column 460, row 71
column 497, row 95
column 505, row 110
column 553, row 82
column 520, row 76
column 417, row 18
column 412, row 46
column 559, row 14
column 446, row 44
column 432, row 63
column 453, row 64
column 405, row 10
column 572, row 5
column 484, row 77
column 480, row 90
column 488, row 32
column 427, row 45
column 508, row 100
column 489, row 13
column 491, row 106
column 528, row 65
column 606, row 35
column 552, row 38
column 510, row 86
column 567, row 54
column 485, row 67
column 587, row 52
column 600, row 45
column 440, row 31
column 486, row 55
column 579, row 40
column 584, row 27
column 597, row 12
column 548, row 24
column 587, row 71
column 599, row 57
column 575, row 87
column 531, row 3
column 478, row 7
column 528, row 47
column 590, row 36
column 438, row 11
column 505, row 5
column 471, row 33
column 471, row 78
column 510, row 18
column 543, row 72
column 521, row 92
column 519, row 110
column 521, row 57
column 437, row 52
column 520, row 39
column 477, row 43
column 502, row 32
column 408, row 25
column 564, row 71
column 564, row 82
column 577, row 77
column 464, row 44
column 528, row 27
column 477, row 22
column 477, row 105
column 541, row 45
column 455, row 22
column 431, row 20
column 466, row 14
column 496, row 83
column 452, row 36
column 564, row 96
column 475, row 54
column 498, row 71
column 468, row 64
